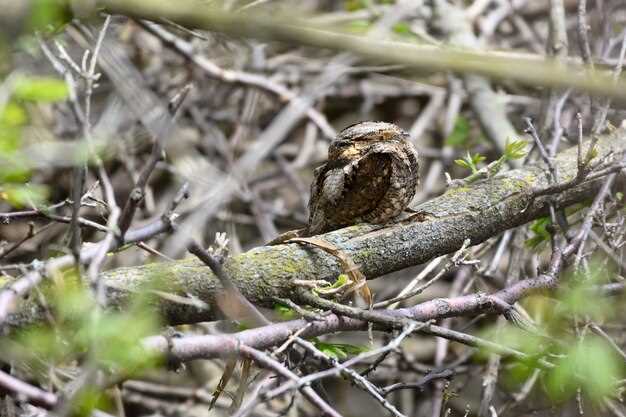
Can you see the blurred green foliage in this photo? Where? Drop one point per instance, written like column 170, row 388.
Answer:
column 48, row 15
column 590, row 365
column 285, row 312
column 582, row 360
column 111, row 337
column 540, row 227
column 40, row 89
column 14, row 176
column 353, row 5
column 19, row 195
column 460, row 133
column 82, row 333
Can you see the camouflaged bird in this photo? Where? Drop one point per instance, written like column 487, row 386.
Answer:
column 371, row 176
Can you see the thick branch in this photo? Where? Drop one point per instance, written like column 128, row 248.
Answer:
column 477, row 212
column 531, row 72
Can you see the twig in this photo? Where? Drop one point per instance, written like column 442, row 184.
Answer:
column 231, row 76
column 138, row 192
column 458, row 258
column 583, row 33
column 530, row 128
column 420, row 384
column 268, row 362
column 31, row 232
column 22, row 390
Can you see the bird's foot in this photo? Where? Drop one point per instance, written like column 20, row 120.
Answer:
column 285, row 237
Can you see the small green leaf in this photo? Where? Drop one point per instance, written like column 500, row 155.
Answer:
column 341, row 280
column 539, row 228
column 462, row 163
column 41, row 89
column 575, row 296
column 477, row 158
column 13, row 174
column 338, row 350
column 402, row 28
column 44, row 342
column 515, row 150
column 470, row 161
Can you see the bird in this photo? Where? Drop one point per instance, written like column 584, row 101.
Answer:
column 371, row 176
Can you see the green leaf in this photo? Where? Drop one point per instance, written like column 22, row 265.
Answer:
column 539, row 228
column 40, row 89
column 470, row 161
column 285, row 312
column 591, row 365
column 14, row 115
column 460, row 133
column 575, row 296
column 515, row 150
column 43, row 342
column 111, row 338
column 403, row 29
column 122, row 350
column 23, row 195
column 48, row 14
column 462, row 163
column 338, row 350
column 477, row 158
column 341, row 280
column 72, row 303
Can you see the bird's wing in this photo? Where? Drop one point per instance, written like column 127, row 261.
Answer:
column 365, row 184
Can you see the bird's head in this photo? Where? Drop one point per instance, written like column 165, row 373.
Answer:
column 356, row 139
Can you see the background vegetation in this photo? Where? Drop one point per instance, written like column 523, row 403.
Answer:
column 134, row 134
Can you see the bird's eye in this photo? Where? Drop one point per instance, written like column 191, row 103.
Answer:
column 342, row 143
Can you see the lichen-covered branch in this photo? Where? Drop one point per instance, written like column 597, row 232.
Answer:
column 476, row 212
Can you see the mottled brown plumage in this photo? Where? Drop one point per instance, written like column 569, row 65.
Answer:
column 371, row 176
